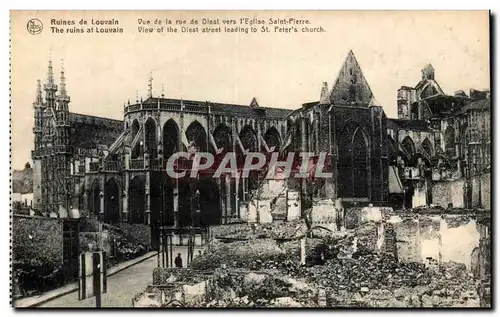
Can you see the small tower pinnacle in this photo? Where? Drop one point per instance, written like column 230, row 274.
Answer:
column 162, row 90
column 39, row 99
column 63, row 80
column 63, row 98
column 50, row 72
column 150, row 85
column 324, row 98
column 50, row 87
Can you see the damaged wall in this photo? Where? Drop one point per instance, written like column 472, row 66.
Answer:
column 448, row 191
column 486, row 191
column 443, row 238
column 444, row 192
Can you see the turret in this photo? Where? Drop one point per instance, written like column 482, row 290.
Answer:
column 63, row 99
column 324, row 98
column 39, row 108
column 62, row 112
column 50, row 87
column 150, row 85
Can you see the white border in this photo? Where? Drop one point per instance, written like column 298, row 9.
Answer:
column 494, row 5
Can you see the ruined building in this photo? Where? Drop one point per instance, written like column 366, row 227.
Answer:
column 117, row 169
column 441, row 144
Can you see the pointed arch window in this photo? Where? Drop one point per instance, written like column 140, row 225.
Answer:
column 353, row 168
column 449, row 141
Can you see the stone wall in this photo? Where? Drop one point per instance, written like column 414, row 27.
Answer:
column 419, row 197
column 438, row 238
column 446, row 192
column 475, row 191
column 406, row 231
column 486, row 191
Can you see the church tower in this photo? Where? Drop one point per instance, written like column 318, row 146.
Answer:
column 39, row 107
column 63, row 151
column 52, row 152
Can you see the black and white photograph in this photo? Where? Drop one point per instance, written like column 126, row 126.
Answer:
column 251, row 159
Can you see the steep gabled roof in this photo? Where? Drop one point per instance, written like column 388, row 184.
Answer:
column 351, row 86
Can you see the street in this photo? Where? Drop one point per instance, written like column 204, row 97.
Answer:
column 122, row 286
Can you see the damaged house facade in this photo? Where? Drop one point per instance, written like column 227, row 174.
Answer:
column 117, row 168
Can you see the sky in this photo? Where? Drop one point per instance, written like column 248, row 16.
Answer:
column 103, row 71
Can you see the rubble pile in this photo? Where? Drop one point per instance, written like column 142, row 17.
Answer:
column 239, row 254
column 249, row 289
column 369, row 270
column 280, row 230
column 260, row 267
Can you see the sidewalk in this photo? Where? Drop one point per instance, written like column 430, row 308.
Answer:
column 50, row 295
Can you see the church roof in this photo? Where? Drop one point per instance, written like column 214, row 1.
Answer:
column 484, row 104
column 411, row 125
column 351, row 86
column 224, row 108
column 92, row 132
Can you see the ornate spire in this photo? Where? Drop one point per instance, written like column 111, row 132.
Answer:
column 324, row 98
column 63, row 80
column 50, row 87
column 150, row 85
column 137, row 96
column 50, row 72
column 162, row 90
column 39, row 99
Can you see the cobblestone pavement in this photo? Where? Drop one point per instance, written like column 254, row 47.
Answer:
column 122, row 286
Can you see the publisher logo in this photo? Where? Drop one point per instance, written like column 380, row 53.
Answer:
column 34, row 26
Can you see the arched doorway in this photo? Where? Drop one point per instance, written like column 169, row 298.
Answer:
column 94, row 199
column 185, row 208
column 151, row 140
column 111, row 202
column 209, row 202
column 137, row 200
